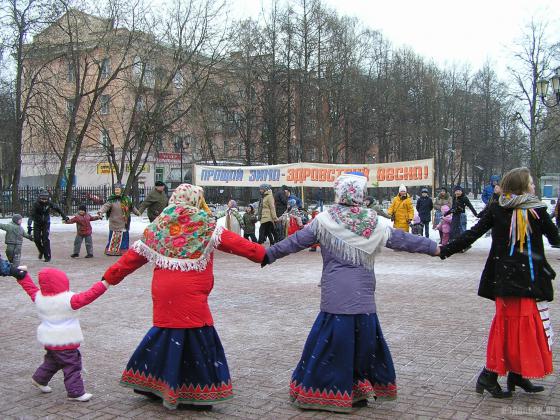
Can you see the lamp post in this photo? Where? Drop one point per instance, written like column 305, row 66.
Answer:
column 542, row 89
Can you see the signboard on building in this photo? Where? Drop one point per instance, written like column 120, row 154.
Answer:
column 410, row 173
column 168, row 156
column 104, row 168
column 145, row 168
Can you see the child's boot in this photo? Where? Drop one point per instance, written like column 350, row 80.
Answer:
column 82, row 398
column 45, row 389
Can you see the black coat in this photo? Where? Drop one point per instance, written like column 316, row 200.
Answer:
column 424, row 205
column 506, row 275
column 40, row 212
column 460, row 204
column 280, row 202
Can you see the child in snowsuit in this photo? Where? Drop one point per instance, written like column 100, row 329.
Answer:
column 60, row 330
column 7, row 269
column 249, row 220
column 417, row 226
column 444, row 225
column 14, row 239
column 83, row 227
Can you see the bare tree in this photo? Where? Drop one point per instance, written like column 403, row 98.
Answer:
column 534, row 56
column 22, row 19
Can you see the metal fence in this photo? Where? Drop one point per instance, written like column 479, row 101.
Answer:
column 92, row 197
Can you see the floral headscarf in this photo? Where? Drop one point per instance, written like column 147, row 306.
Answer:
column 183, row 236
column 350, row 231
column 350, row 190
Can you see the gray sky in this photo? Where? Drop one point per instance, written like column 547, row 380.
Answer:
column 449, row 31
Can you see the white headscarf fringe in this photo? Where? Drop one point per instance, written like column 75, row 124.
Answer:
column 347, row 245
column 169, row 263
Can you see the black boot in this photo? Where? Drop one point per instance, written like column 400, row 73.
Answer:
column 515, row 379
column 489, row 381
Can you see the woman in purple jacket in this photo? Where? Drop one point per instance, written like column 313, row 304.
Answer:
column 346, row 360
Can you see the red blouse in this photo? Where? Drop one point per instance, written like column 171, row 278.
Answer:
column 180, row 298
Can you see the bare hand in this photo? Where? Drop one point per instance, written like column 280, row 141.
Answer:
column 438, row 251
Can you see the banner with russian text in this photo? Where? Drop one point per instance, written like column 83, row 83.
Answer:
column 409, row 173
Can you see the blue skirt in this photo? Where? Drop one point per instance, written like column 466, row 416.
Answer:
column 345, row 360
column 180, row 365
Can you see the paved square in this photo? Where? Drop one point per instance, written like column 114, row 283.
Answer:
column 435, row 324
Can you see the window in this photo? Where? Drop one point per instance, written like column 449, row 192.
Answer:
column 137, row 67
column 159, row 174
column 70, row 72
column 104, row 137
column 105, row 68
column 180, row 142
column 178, row 81
column 70, row 105
column 104, row 101
column 149, row 76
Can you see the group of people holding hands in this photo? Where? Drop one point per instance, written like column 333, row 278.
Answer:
column 345, row 360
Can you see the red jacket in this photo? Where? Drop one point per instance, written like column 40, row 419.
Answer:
column 180, row 298
column 83, row 224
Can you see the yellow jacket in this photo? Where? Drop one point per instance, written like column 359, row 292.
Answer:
column 401, row 212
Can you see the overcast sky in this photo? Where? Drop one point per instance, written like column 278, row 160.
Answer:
column 449, row 31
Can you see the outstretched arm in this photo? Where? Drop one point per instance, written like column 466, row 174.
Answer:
column 234, row 244
column 30, row 288
column 126, row 264
column 403, row 241
column 300, row 240
column 468, row 237
column 85, row 298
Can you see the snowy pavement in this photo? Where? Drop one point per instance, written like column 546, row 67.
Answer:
column 435, row 324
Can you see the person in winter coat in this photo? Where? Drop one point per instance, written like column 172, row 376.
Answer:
column 83, row 231
column 40, row 223
column 14, row 238
column 118, row 209
column 234, row 220
column 249, row 220
column 155, row 202
column 557, row 212
column 444, row 225
column 518, row 278
column 59, row 331
column 417, row 227
column 281, row 205
column 424, row 206
column 294, row 218
column 442, row 199
column 345, row 356
column 371, row 203
column 181, row 359
column 267, row 215
column 488, row 191
column 401, row 210
column 9, row 269
column 459, row 219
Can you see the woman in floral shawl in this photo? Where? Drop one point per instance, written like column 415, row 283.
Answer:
column 118, row 208
column 346, row 360
column 181, row 359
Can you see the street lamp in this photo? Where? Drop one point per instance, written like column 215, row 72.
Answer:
column 542, row 89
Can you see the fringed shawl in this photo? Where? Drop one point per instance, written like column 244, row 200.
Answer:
column 349, row 246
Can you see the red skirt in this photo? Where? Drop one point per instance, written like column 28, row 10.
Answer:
column 517, row 341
